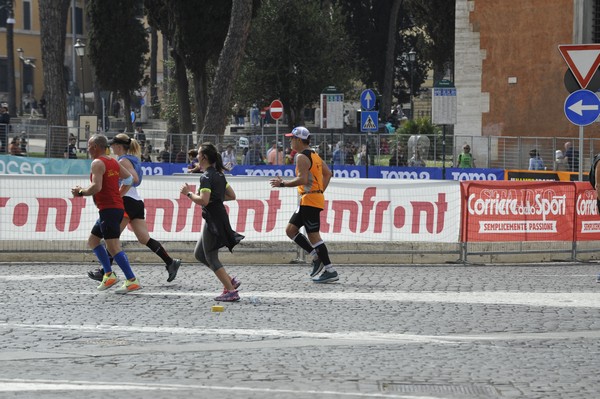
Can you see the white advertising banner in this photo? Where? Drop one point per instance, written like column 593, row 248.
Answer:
column 356, row 210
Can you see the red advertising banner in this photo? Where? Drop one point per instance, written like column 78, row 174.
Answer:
column 587, row 220
column 496, row 211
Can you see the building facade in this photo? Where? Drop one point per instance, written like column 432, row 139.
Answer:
column 509, row 73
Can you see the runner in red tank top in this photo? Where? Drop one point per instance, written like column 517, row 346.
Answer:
column 106, row 192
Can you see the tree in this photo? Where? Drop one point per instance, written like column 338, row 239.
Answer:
column 437, row 17
column 198, row 47
column 228, row 67
column 118, row 45
column 53, row 23
column 292, row 60
column 390, row 56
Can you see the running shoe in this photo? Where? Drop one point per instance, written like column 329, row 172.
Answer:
column 317, row 266
column 108, row 280
column 172, row 269
column 228, row 296
column 327, row 277
column 129, row 285
column 235, row 282
column 97, row 274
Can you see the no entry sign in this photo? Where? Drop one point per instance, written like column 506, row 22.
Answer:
column 276, row 109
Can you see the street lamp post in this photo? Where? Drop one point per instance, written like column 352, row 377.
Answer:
column 10, row 24
column 412, row 56
column 80, row 50
column 21, row 84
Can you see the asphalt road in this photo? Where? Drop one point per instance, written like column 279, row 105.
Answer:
column 427, row 331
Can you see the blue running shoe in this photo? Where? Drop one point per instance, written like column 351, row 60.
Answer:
column 327, row 277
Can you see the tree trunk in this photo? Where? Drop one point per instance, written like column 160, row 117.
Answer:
column 390, row 55
column 183, row 101
column 201, row 96
column 53, row 23
column 153, row 71
column 228, row 67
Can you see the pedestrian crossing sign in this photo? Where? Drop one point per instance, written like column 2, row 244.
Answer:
column 369, row 121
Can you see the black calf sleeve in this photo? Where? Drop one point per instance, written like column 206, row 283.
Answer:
column 303, row 242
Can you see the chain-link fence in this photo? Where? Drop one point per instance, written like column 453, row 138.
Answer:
column 40, row 140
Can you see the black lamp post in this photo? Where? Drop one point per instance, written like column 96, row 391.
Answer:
column 21, row 82
column 80, row 50
column 12, row 95
column 412, row 56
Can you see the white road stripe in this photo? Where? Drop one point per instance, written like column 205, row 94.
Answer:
column 541, row 299
column 21, row 385
column 366, row 337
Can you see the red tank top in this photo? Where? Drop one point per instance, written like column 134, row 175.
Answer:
column 108, row 197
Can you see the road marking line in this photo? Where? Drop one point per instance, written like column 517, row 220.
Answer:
column 21, row 385
column 541, row 299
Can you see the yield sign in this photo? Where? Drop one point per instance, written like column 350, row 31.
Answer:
column 583, row 60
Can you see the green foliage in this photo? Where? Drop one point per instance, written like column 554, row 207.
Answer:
column 295, row 50
column 417, row 126
column 117, row 44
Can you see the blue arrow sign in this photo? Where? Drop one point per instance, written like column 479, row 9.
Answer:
column 582, row 107
column 367, row 99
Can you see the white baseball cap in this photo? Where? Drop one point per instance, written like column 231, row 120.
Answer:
column 301, row 132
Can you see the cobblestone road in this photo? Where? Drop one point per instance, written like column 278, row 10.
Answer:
column 428, row 331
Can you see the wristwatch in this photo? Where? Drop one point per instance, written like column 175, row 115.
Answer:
column 189, row 194
column 80, row 192
column 282, row 184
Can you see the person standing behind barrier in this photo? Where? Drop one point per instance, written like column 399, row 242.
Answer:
column 216, row 231
column 312, row 178
column 229, row 158
column 535, row 161
column 105, row 175
column 595, row 182
column 128, row 152
column 571, row 157
column 465, row 159
column 71, row 150
column 4, row 128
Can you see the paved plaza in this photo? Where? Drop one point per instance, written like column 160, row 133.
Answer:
column 427, row 331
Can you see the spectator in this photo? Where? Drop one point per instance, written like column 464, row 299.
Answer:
column 71, row 150
column 272, row 148
column 339, row 154
column 147, row 155
column 254, row 115
column 350, row 151
column 181, row 156
column 14, row 148
column 254, row 156
column 165, row 155
column 535, row 161
column 34, row 105
column 229, row 158
column 363, row 157
column 275, row 157
column 23, row 142
column 398, row 157
column 193, row 166
column 289, row 160
column 140, row 136
column 4, row 127
column 571, row 157
column 465, row 159
column 43, row 105
column 116, row 107
column 559, row 161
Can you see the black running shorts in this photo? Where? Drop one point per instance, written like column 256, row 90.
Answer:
column 307, row 216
